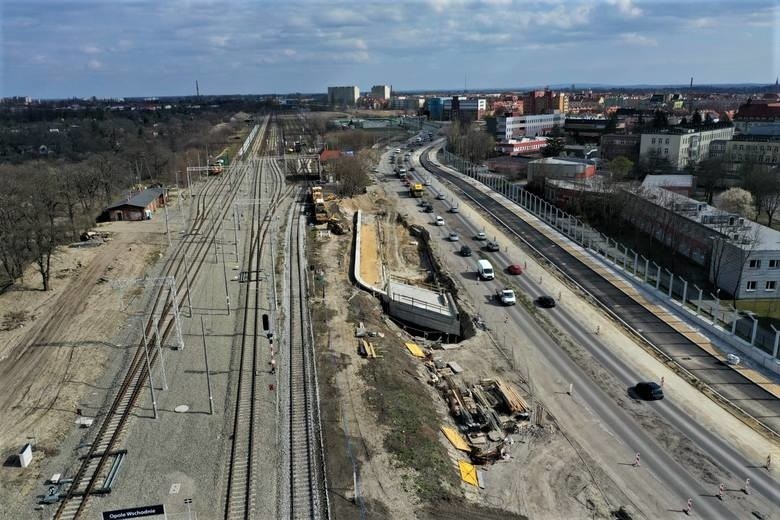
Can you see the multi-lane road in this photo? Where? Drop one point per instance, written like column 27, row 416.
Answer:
column 620, row 424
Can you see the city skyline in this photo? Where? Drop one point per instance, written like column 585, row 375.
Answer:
column 143, row 48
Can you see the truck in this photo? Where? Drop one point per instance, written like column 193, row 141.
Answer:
column 506, row 296
column 416, row 190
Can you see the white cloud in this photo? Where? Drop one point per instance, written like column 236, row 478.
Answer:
column 218, row 40
column 94, row 65
column 626, row 8
column 632, row 38
column 91, row 49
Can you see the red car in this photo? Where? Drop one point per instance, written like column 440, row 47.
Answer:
column 515, row 269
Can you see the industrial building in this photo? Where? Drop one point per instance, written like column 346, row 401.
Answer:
column 139, row 205
column 562, row 169
column 343, row 96
column 510, row 126
column 682, row 145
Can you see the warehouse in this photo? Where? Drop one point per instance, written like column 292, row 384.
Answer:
column 139, row 205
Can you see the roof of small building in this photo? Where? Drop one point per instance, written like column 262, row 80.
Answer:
column 668, row 181
column 568, row 161
column 139, row 199
column 761, row 110
column 328, row 155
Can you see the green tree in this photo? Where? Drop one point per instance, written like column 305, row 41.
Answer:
column 620, row 167
column 554, row 147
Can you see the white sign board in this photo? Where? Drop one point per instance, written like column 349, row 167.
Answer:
column 25, row 456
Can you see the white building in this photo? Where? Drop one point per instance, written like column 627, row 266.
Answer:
column 743, row 257
column 406, row 103
column 515, row 127
column 341, row 96
column 381, row 92
column 682, row 146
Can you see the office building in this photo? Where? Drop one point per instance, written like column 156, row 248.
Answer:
column 510, row 126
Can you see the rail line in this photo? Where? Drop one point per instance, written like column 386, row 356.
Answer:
column 240, row 496
column 92, row 469
column 307, row 496
column 756, row 406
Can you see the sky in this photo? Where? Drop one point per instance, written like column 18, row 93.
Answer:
column 119, row 48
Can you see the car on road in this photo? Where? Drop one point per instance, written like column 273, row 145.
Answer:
column 465, row 250
column 411, row 169
column 438, row 221
column 515, row 269
column 428, row 208
column 506, row 297
column 454, row 209
column 440, row 196
column 546, row 302
column 427, row 181
column 454, row 237
column 493, row 246
column 649, row 390
column 480, row 236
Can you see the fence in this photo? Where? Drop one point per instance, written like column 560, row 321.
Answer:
column 642, row 269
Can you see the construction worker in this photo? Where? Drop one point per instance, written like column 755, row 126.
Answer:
column 273, row 366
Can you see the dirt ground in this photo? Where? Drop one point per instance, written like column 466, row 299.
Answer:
column 53, row 356
column 360, row 435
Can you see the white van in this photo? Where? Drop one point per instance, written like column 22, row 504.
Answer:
column 485, row 270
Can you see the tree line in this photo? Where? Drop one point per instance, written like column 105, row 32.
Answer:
column 49, row 201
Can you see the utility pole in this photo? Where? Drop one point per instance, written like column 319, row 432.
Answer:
column 159, row 351
column 206, row 359
column 149, row 370
column 187, row 280
column 224, row 271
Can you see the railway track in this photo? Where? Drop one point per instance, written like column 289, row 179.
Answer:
column 240, row 500
column 304, row 496
column 92, row 470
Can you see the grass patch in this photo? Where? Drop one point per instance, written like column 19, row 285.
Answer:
column 403, row 405
column 14, row 319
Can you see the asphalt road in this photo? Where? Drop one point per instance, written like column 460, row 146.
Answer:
column 614, row 417
column 729, row 383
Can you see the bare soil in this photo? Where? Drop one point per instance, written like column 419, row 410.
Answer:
column 55, row 345
column 383, row 419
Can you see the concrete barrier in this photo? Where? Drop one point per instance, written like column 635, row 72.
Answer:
column 356, row 262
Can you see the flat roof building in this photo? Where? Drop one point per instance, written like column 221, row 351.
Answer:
column 683, row 146
column 343, row 96
column 381, row 92
column 510, row 126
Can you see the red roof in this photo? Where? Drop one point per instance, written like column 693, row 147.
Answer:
column 758, row 111
column 329, row 155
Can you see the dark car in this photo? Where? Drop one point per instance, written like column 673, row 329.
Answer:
column 649, row 390
column 428, row 208
column 492, row 245
column 515, row 269
column 547, row 302
column 465, row 251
